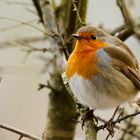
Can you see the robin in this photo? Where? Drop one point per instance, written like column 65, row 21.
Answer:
column 102, row 71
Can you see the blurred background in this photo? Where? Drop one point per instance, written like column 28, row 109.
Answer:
column 21, row 104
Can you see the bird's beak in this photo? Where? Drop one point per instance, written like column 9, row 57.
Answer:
column 76, row 36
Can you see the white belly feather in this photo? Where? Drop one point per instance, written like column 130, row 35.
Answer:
column 99, row 95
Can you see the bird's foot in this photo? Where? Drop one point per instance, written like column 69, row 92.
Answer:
column 87, row 116
column 110, row 124
column 110, row 127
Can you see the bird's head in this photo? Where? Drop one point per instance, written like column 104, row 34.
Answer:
column 90, row 38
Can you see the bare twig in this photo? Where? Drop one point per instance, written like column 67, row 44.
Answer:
column 24, row 23
column 129, row 126
column 128, row 19
column 0, row 78
column 19, row 132
column 38, row 9
column 20, row 137
column 125, row 12
column 48, row 86
column 17, row 3
column 73, row 22
column 31, row 11
column 78, row 15
column 7, row 43
column 16, row 26
column 118, row 121
column 52, row 28
column 41, row 86
column 123, row 129
column 126, row 117
column 107, row 137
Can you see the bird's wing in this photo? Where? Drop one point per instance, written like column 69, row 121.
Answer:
column 123, row 62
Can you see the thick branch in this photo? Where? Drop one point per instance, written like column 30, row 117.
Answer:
column 125, row 12
column 81, row 14
column 76, row 18
column 70, row 25
column 38, row 9
column 125, row 33
column 19, row 132
column 90, row 127
column 78, row 12
column 52, row 29
column 61, row 105
column 62, row 13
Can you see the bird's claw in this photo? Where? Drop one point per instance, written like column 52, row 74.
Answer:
column 110, row 127
column 87, row 116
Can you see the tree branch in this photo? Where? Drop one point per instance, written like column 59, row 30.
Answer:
column 90, row 126
column 128, row 20
column 125, row 12
column 124, row 34
column 61, row 110
column 122, row 129
column 52, row 28
column 17, row 3
column 11, row 27
column 38, row 9
column 126, row 117
column 76, row 9
column 19, row 132
column 77, row 12
column 8, row 43
column 23, row 23
column 118, row 121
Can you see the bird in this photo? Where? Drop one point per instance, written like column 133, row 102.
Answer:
column 102, row 71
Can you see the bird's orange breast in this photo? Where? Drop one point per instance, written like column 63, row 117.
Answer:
column 83, row 60
column 82, row 64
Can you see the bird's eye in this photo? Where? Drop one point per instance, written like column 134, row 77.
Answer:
column 93, row 37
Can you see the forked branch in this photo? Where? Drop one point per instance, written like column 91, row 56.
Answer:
column 19, row 132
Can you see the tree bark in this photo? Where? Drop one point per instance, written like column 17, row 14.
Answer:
column 62, row 110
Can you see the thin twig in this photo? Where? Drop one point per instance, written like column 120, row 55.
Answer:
column 17, row 3
column 24, row 23
column 16, row 26
column 78, row 15
column 31, row 11
column 107, row 137
column 0, row 78
column 122, row 129
column 20, row 137
column 125, row 12
column 8, row 43
column 38, row 9
column 118, row 121
column 19, row 132
column 126, row 117
column 52, row 28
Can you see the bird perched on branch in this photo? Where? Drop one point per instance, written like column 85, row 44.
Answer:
column 102, row 71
